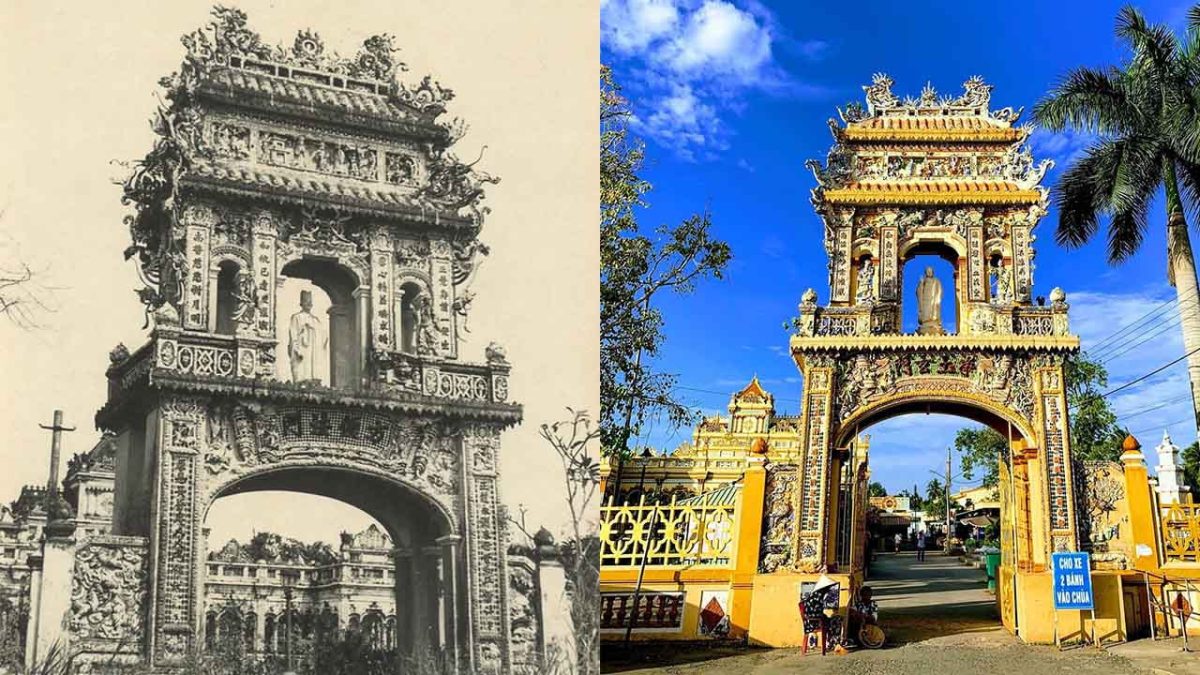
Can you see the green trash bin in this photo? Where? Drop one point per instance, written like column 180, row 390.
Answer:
column 992, row 563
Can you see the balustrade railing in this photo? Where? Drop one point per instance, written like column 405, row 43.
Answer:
column 240, row 359
column 1180, row 532
column 684, row 532
column 883, row 318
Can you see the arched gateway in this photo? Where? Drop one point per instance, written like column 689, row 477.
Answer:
column 943, row 176
column 952, row 176
column 290, row 163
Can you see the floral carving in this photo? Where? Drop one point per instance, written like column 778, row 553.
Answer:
column 108, row 589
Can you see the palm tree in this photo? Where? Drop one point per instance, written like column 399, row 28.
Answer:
column 1146, row 119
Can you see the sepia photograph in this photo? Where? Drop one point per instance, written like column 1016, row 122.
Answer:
column 299, row 322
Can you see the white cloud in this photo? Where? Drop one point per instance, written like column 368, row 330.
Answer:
column 688, row 57
column 630, row 26
column 719, row 40
column 1064, row 147
column 681, row 121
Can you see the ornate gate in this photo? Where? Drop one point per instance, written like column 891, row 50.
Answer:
column 947, row 176
column 279, row 164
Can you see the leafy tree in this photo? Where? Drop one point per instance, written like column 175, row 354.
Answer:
column 1189, row 458
column 635, row 268
column 1094, row 431
column 935, row 501
column 1146, row 118
column 876, row 489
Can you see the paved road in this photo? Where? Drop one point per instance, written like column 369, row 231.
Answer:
column 940, row 620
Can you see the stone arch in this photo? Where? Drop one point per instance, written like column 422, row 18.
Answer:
column 386, row 492
column 430, row 571
column 973, row 406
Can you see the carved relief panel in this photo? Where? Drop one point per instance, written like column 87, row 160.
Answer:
column 812, row 493
column 326, row 153
column 1052, row 411
column 486, row 549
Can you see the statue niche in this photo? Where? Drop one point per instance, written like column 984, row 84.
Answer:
column 929, row 305
column 307, row 342
column 323, row 350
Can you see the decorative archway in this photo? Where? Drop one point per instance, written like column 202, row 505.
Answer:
column 425, row 535
column 951, row 177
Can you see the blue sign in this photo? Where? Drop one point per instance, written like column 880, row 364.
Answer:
column 1072, row 581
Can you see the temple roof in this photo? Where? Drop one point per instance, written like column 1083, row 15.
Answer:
column 283, row 187
column 277, row 94
column 753, row 392
column 931, row 192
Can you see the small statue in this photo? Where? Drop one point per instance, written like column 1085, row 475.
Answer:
column 307, row 340
column 929, row 304
column 866, row 282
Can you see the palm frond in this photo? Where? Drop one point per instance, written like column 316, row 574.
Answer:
column 1128, row 228
column 1193, row 18
column 1116, row 177
column 1153, row 44
column 1088, row 99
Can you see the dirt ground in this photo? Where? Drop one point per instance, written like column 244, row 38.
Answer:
column 940, row 620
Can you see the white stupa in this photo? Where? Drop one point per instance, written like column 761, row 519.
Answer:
column 1169, row 489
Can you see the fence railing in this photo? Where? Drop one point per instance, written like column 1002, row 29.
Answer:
column 1180, row 531
column 679, row 533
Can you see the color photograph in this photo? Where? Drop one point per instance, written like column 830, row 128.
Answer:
column 900, row 346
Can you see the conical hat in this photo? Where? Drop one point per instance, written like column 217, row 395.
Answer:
column 824, row 582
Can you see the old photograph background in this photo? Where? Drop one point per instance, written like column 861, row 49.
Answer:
column 81, row 81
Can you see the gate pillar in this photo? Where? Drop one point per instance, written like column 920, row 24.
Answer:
column 813, row 494
column 175, row 538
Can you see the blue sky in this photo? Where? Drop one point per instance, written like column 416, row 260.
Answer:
column 732, row 98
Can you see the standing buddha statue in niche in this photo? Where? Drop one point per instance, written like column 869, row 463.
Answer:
column 929, row 304
column 307, row 341
column 866, row 282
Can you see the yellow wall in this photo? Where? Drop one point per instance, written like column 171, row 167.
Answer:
column 775, row 615
column 1036, row 614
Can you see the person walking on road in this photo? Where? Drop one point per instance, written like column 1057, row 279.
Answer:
column 898, row 538
column 920, row 547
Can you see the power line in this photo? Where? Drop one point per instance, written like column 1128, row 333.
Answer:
column 1103, row 343
column 1149, row 374
column 1173, row 323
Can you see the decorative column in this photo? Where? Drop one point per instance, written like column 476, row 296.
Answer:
column 1139, row 495
column 449, row 585
column 1056, row 455
column 812, row 495
column 198, row 221
column 382, row 293
column 50, row 592
column 265, row 280
column 441, row 269
column 1169, row 489
column 485, row 541
column 1022, row 263
column 889, row 264
column 175, row 544
column 749, row 525
column 556, row 625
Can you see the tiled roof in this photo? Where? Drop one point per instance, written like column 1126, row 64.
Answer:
column 942, row 128
column 932, row 192
column 233, row 85
column 344, row 192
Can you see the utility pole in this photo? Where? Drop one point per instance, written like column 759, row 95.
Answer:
column 948, row 478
